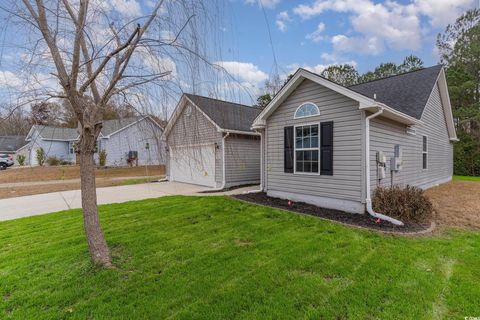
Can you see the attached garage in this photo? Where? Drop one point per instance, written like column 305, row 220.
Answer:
column 211, row 144
column 193, row 164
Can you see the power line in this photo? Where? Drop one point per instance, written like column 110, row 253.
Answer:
column 275, row 64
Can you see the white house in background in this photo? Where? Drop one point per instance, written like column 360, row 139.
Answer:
column 118, row 138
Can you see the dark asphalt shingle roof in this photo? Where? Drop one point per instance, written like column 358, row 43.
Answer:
column 227, row 115
column 111, row 126
column 56, row 133
column 59, row 133
column 11, row 143
column 407, row 92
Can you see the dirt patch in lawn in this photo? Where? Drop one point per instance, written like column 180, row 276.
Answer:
column 457, row 203
column 360, row 220
column 30, row 174
column 19, row 191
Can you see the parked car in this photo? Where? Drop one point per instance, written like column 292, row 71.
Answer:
column 6, row 160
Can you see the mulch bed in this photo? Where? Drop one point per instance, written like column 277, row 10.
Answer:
column 359, row 220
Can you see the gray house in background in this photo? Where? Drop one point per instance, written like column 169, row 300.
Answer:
column 10, row 144
column 118, row 137
column 330, row 145
column 211, row 143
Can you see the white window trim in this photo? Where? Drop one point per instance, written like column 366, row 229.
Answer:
column 71, row 147
column 295, row 114
column 305, row 149
column 425, row 152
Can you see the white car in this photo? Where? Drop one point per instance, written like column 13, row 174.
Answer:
column 6, row 160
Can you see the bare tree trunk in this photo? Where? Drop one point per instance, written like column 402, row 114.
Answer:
column 96, row 241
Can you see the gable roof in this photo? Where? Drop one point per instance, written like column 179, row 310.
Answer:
column 227, row 115
column 114, row 125
column 68, row 134
column 224, row 115
column 53, row 133
column 365, row 103
column 407, row 92
column 11, row 143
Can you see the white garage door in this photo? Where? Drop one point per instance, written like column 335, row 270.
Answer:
column 193, row 164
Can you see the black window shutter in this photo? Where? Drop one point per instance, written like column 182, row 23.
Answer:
column 288, row 149
column 326, row 148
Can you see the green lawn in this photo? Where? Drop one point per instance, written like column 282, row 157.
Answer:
column 466, row 178
column 219, row 258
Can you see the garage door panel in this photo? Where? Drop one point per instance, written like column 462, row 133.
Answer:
column 193, row 164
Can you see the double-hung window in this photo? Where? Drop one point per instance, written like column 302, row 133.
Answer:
column 425, row 152
column 306, row 149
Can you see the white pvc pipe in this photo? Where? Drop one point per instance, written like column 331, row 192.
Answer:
column 367, row 172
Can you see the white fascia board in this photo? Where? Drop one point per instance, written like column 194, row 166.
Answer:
column 391, row 113
column 123, row 128
column 249, row 133
column 206, row 116
column 447, row 107
column 131, row 124
column 365, row 103
column 30, row 132
column 178, row 111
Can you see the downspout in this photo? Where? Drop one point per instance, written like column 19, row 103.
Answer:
column 224, row 182
column 367, row 172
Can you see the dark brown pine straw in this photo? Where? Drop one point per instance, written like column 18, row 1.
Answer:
column 359, row 220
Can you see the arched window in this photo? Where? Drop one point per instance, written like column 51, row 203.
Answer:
column 307, row 110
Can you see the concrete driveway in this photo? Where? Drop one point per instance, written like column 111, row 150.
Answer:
column 20, row 207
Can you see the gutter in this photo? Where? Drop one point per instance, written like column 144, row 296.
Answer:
column 368, row 200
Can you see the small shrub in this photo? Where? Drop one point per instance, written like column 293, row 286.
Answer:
column 21, row 159
column 65, row 163
column 407, row 204
column 102, row 158
column 40, row 156
column 53, row 161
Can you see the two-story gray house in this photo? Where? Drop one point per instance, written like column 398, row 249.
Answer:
column 330, row 145
column 118, row 138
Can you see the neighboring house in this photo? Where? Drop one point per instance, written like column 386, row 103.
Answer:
column 118, row 138
column 326, row 144
column 11, row 145
column 211, row 143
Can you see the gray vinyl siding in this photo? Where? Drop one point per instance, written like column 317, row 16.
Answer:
column 385, row 134
column 135, row 138
column 195, row 129
column 242, row 160
column 346, row 182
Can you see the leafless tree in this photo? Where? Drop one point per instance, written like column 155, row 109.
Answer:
column 95, row 55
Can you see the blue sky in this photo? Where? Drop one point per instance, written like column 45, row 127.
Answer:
column 304, row 33
column 316, row 33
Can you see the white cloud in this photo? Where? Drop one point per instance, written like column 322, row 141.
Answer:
column 317, row 36
column 371, row 45
column 10, row 79
column 129, row 8
column 264, row 3
column 391, row 23
column 282, row 19
column 318, row 68
column 244, row 71
column 442, row 12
